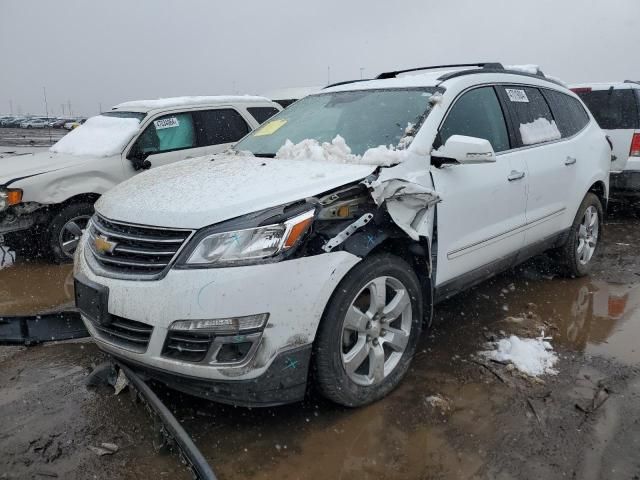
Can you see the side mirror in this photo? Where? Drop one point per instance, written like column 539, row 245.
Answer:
column 459, row 149
column 139, row 159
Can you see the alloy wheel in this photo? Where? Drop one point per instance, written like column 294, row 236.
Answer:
column 70, row 234
column 376, row 330
column 588, row 235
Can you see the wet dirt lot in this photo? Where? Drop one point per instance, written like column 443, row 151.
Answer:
column 583, row 423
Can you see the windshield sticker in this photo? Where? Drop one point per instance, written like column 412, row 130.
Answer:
column 170, row 122
column 270, row 128
column 517, row 95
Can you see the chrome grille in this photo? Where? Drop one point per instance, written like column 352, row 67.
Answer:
column 125, row 333
column 134, row 249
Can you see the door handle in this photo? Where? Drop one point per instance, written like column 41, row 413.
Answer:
column 515, row 175
column 570, row 161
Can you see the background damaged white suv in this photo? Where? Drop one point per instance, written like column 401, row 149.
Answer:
column 47, row 198
column 316, row 249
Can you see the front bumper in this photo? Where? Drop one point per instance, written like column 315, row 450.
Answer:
column 293, row 292
column 625, row 183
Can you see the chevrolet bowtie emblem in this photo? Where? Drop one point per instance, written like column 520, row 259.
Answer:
column 104, row 245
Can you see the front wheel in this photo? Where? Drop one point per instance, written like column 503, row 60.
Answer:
column 66, row 228
column 584, row 239
column 369, row 332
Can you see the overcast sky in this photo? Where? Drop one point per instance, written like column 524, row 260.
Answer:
column 107, row 51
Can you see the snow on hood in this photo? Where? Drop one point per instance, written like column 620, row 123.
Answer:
column 339, row 152
column 203, row 191
column 22, row 167
column 100, row 136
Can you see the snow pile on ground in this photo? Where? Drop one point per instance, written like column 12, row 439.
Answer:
column 100, row 136
column 339, row 152
column 532, row 356
column 7, row 257
column 539, row 131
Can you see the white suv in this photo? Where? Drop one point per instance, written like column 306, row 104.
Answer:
column 48, row 197
column 323, row 244
column 616, row 108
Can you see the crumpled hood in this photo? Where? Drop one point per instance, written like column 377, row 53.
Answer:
column 203, row 191
column 14, row 169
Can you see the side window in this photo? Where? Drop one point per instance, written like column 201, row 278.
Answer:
column 533, row 119
column 262, row 114
column 612, row 109
column 167, row 133
column 568, row 112
column 477, row 114
column 215, row 127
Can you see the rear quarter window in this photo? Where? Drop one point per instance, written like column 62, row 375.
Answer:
column 613, row 109
column 568, row 112
column 534, row 122
column 262, row 114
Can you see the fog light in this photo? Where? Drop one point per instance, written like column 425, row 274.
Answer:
column 229, row 325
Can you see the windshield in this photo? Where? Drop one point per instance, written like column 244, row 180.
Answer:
column 101, row 136
column 364, row 118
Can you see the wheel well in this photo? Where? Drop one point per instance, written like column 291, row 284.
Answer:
column 417, row 255
column 599, row 190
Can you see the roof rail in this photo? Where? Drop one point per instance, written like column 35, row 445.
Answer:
column 345, row 82
column 632, row 81
column 489, row 69
column 393, row 74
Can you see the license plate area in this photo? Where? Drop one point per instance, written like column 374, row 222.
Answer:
column 92, row 300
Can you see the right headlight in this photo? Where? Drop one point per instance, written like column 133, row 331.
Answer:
column 9, row 196
column 240, row 246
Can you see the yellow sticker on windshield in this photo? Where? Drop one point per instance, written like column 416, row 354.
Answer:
column 269, row 128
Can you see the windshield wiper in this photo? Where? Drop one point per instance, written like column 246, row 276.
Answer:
column 264, row 155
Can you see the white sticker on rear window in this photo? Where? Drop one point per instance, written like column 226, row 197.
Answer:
column 170, row 122
column 516, row 95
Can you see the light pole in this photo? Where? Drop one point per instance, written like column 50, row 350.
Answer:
column 361, row 72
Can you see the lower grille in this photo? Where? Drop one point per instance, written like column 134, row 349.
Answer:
column 188, row 346
column 125, row 333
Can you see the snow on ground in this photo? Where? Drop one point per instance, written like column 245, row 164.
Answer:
column 100, row 136
column 7, row 257
column 539, row 131
column 532, row 356
column 339, row 152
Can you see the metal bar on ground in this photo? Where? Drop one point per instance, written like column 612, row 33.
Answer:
column 46, row 327
column 194, row 457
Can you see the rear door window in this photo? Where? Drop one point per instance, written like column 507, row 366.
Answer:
column 534, row 122
column 612, row 109
column 215, row 127
column 477, row 114
column 262, row 114
column 569, row 114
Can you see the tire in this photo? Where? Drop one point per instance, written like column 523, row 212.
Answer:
column 583, row 244
column 62, row 229
column 336, row 348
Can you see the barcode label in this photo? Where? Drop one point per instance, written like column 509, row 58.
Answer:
column 517, row 95
column 166, row 123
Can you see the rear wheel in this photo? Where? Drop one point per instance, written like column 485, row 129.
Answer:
column 66, row 228
column 369, row 332
column 584, row 239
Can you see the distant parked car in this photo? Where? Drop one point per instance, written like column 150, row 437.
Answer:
column 616, row 108
column 13, row 122
column 74, row 124
column 35, row 123
column 60, row 122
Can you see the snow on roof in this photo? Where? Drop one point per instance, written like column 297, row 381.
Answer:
column 291, row 93
column 188, row 101
column 606, row 85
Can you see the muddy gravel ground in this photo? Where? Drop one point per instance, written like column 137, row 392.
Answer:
column 487, row 421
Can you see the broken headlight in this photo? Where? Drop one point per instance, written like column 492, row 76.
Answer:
column 239, row 246
column 9, row 197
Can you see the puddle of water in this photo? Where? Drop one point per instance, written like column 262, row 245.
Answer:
column 28, row 288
